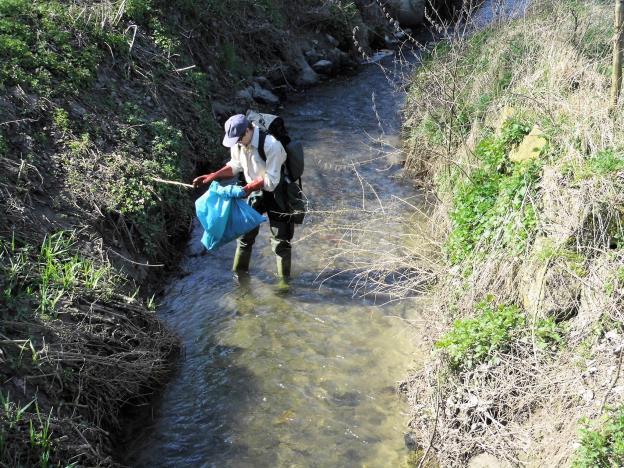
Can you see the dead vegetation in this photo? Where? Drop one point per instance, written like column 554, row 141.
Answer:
column 75, row 374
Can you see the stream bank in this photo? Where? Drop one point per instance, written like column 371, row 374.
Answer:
column 526, row 161
column 94, row 102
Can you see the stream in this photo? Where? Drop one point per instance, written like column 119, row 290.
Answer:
column 305, row 377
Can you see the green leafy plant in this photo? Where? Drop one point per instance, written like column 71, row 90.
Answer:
column 61, row 119
column 40, row 49
column 476, row 340
column 40, row 437
column 493, row 205
column 602, row 443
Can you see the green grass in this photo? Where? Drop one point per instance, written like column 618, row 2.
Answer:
column 573, row 260
column 602, row 443
column 13, row 416
column 601, row 163
column 35, row 281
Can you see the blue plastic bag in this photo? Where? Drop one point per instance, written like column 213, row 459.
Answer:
column 224, row 215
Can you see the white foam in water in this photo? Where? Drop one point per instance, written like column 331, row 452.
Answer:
column 379, row 55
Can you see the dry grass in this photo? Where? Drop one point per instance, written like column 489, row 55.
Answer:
column 95, row 358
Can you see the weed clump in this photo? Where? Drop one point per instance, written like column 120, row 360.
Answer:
column 602, row 443
column 477, row 340
column 493, row 205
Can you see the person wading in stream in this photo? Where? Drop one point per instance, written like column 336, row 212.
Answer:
column 262, row 178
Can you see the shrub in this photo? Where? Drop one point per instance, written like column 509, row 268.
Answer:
column 476, row 340
column 491, row 207
column 133, row 193
column 602, row 445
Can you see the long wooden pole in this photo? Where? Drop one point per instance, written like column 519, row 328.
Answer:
column 171, row 182
column 616, row 77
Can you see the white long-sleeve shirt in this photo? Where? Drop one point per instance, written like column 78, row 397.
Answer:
column 248, row 161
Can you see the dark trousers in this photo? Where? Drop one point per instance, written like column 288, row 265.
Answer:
column 281, row 232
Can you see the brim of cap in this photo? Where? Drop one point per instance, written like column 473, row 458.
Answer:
column 228, row 142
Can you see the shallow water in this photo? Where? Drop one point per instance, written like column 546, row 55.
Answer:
column 305, row 377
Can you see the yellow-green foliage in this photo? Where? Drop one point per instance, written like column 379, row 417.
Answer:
column 602, row 441
column 37, row 280
column 472, row 341
column 45, row 49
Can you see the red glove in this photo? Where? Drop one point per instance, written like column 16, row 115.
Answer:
column 257, row 184
column 203, row 180
column 224, row 172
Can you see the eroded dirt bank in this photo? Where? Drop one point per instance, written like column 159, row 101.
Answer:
column 96, row 100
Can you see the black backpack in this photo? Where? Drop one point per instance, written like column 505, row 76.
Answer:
column 289, row 193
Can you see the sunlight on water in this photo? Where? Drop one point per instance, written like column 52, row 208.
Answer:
column 307, row 377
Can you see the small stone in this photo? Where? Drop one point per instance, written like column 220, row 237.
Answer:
column 76, row 110
column 612, row 335
column 264, row 96
column 530, row 148
column 331, row 39
column 485, row 460
column 245, row 94
column 323, row 66
column 587, row 395
column 263, row 81
column 411, row 443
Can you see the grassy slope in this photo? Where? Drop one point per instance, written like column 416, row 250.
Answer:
column 93, row 104
column 533, row 250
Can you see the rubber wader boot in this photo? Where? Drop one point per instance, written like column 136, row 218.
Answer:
column 283, row 266
column 241, row 260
